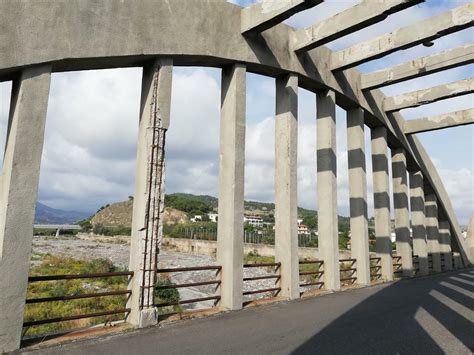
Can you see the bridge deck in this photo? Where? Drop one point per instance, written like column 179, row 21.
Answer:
column 425, row 315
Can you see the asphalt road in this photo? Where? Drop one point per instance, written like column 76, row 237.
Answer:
column 430, row 315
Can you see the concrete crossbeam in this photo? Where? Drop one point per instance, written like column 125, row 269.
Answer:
column 417, row 206
column 328, row 241
column 383, row 244
column 358, row 194
column 432, row 230
column 360, row 16
column 230, row 229
column 286, row 196
column 453, row 119
column 155, row 108
column 416, row 68
column 423, row 31
column 18, row 194
column 445, row 244
column 268, row 13
column 427, row 96
column 402, row 217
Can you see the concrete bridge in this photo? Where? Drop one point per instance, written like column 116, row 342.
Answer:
column 39, row 38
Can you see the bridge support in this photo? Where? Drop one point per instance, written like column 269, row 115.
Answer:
column 445, row 244
column 18, row 194
column 148, row 202
column 230, row 240
column 358, row 194
column 417, row 203
column 286, row 195
column 383, row 244
column 432, row 230
column 402, row 218
column 328, row 241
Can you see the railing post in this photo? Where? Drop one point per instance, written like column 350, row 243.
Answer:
column 383, row 243
column 417, row 203
column 432, row 230
column 286, row 195
column 402, row 218
column 358, row 194
column 18, row 194
column 328, row 238
column 231, row 186
column 445, row 240
column 148, row 203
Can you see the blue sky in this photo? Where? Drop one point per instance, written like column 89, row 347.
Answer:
column 90, row 147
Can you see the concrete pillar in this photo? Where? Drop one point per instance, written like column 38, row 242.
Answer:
column 148, row 202
column 231, row 186
column 432, row 230
column 470, row 238
column 327, row 188
column 445, row 240
column 402, row 217
column 286, row 194
column 457, row 261
column 18, row 194
column 358, row 194
column 383, row 244
column 417, row 203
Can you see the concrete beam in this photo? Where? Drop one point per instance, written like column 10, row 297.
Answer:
column 268, row 13
column 358, row 194
column 423, row 31
column 18, row 194
column 360, row 16
column 420, row 67
column 230, row 229
column 470, row 237
column 432, row 230
column 427, row 96
column 445, row 244
column 286, row 192
column 148, row 202
column 328, row 241
column 453, row 119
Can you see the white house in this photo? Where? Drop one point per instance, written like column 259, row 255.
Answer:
column 255, row 221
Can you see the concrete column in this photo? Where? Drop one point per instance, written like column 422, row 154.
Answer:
column 148, row 202
column 470, row 238
column 445, row 240
column 18, row 195
column 231, row 186
column 383, row 244
column 286, row 194
column 402, row 217
column 358, row 194
column 432, row 230
column 417, row 203
column 328, row 238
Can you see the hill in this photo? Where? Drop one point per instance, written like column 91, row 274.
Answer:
column 49, row 215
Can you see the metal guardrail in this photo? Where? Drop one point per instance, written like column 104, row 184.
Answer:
column 319, row 273
column 276, row 277
column 47, row 278
column 347, row 273
column 397, row 265
column 375, row 268
column 216, row 298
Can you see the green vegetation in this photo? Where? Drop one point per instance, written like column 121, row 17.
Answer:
column 193, row 205
column 100, row 229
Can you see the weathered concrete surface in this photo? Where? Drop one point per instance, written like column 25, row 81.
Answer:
column 432, row 230
column 268, row 13
column 19, row 181
column 416, row 68
column 155, row 101
column 383, row 244
column 427, row 96
column 470, row 236
column 328, row 241
column 230, row 228
column 402, row 217
column 427, row 30
column 360, row 16
column 286, row 190
column 453, row 119
column 445, row 244
column 431, row 315
column 358, row 194
column 417, row 206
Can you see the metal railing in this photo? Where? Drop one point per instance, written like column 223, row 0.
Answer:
column 313, row 277
column 275, row 268
column 348, row 272
column 397, row 264
column 215, row 282
column 66, row 298
column 375, row 268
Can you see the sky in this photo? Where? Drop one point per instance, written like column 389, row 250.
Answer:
column 92, row 124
